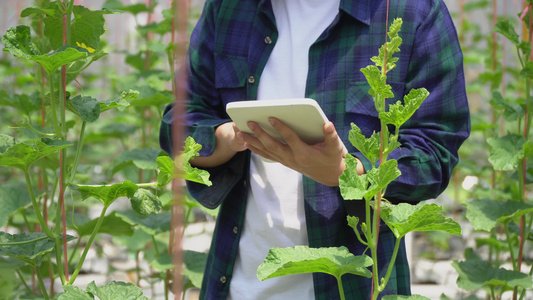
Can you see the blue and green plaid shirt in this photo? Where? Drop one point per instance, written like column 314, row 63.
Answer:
column 229, row 49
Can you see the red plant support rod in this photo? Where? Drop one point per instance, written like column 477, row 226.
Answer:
column 173, row 3
column 62, row 158
column 181, row 17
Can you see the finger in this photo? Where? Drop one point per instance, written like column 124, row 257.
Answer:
column 260, row 152
column 331, row 137
column 262, row 140
column 290, row 137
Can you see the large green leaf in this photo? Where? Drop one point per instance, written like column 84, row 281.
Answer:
column 27, row 247
column 74, row 293
column 153, row 224
column 150, row 96
column 194, row 266
column 484, row 214
column 404, row 218
column 87, row 108
column 379, row 88
column 107, row 194
column 302, row 259
column 145, row 202
column 111, row 225
column 13, row 197
column 116, row 290
column 141, row 158
column 17, row 41
column 476, row 274
column 111, row 291
column 62, row 56
column 22, row 156
column 133, row 8
column 506, row 151
column 402, row 297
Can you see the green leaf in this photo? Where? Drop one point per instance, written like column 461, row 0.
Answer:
column 165, row 165
column 506, row 151
column 191, row 173
column 507, row 29
column 62, row 56
column 27, row 247
column 145, row 203
column 112, row 225
column 404, row 218
column 369, row 147
column 379, row 88
column 22, row 156
column 352, row 185
column 194, row 266
column 153, row 224
column 392, row 46
column 123, row 100
column 88, row 25
column 6, row 142
column 74, row 293
column 527, row 71
column 107, row 194
column 17, row 41
column 116, row 290
column 141, row 158
column 13, row 198
column 512, row 111
column 133, row 8
column 398, row 114
column 135, row 242
column 150, row 96
column 475, row 274
column 380, row 177
column 484, row 214
column 87, row 108
column 302, row 259
column 402, row 297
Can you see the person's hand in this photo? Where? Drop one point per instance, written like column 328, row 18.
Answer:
column 322, row 162
column 227, row 144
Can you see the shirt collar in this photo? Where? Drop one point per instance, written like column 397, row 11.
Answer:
column 361, row 10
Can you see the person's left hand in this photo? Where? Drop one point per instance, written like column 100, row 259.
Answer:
column 322, row 162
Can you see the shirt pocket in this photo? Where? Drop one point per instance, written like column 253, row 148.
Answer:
column 230, row 77
column 358, row 101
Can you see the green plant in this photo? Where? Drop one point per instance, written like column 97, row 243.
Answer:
column 503, row 209
column 56, row 116
column 369, row 187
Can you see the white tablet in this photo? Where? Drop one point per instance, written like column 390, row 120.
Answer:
column 304, row 116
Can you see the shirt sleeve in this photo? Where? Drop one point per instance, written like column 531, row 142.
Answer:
column 431, row 138
column 204, row 109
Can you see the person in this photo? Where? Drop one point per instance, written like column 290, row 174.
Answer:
column 274, row 194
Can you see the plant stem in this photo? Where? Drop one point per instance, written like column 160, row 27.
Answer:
column 23, row 242
column 23, row 281
column 508, row 236
column 53, row 105
column 88, row 246
column 44, row 226
column 341, row 288
column 78, row 152
column 41, row 284
column 155, row 245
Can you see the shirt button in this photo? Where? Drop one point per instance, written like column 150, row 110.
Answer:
column 223, row 279
column 235, row 230
column 268, row 40
column 251, row 79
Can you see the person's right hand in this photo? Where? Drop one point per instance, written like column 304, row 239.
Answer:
column 227, row 144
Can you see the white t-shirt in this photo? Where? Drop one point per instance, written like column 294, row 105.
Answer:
column 275, row 214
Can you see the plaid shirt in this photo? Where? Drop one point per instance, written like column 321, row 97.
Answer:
column 230, row 47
